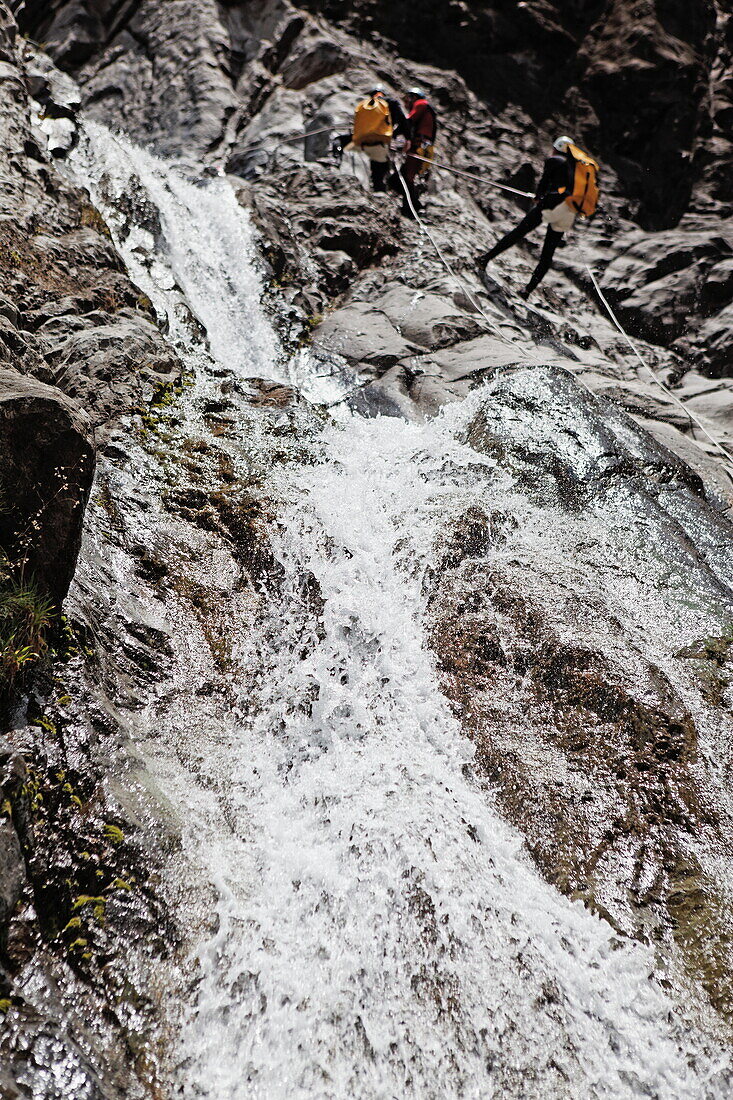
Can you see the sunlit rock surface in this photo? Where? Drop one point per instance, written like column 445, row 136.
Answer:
column 359, row 662
column 598, row 601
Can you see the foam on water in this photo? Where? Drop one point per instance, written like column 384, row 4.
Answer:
column 380, row 931
column 383, row 932
column 187, row 242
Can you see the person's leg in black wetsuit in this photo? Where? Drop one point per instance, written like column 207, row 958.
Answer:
column 552, row 240
column 379, row 170
column 529, row 222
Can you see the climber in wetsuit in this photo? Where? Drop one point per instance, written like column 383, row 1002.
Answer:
column 549, row 207
column 419, row 127
column 377, row 148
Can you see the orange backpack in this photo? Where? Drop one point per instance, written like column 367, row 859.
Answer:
column 372, row 122
column 584, row 196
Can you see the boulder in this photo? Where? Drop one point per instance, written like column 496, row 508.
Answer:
column 47, row 469
column 363, row 334
column 314, row 57
column 566, row 444
column 430, row 320
column 111, row 365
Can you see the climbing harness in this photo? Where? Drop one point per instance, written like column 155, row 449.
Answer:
column 426, row 154
column 728, row 463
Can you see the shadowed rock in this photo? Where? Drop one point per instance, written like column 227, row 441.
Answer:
column 48, row 465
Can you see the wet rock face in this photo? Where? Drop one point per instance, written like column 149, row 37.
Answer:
column 70, row 319
column 331, row 231
column 584, row 62
column 46, row 477
column 604, row 750
column 79, row 353
column 12, row 864
column 144, row 49
column 259, row 73
column 659, row 283
column 80, row 907
column 59, row 274
column 609, row 747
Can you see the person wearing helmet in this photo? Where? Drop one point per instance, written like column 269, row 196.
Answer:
column 419, row 127
column 376, row 119
column 549, row 207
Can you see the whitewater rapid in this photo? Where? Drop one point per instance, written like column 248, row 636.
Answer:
column 376, row 929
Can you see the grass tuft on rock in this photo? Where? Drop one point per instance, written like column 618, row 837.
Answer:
column 26, row 617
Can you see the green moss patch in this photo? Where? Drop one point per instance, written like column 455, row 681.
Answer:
column 26, row 618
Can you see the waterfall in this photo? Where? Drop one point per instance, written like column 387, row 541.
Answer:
column 188, row 245
column 376, row 930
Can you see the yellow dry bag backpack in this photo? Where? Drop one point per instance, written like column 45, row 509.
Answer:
column 372, row 122
column 584, row 197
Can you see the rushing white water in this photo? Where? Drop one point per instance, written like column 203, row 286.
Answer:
column 380, row 930
column 186, row 244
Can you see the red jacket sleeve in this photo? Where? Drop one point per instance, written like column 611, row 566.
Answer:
column 421, row 122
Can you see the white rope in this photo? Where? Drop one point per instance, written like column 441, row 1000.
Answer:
column 471, row 176
column 416, row 156
column 670, row 393
column 441, row 257
column 466, row 289
column 271, row 150
column 727, row 464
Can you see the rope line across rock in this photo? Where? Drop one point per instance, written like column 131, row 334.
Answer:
column 693, row 417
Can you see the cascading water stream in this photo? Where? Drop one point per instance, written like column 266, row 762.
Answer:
column 187, row 244
column 379, row 930
column 384, row 933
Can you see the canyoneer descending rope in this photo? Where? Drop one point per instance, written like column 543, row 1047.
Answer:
column 568, row 188
column 376, row 119
column 420, row 128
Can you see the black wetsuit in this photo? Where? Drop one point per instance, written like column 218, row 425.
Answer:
column 399, row 119
column 556, row 175
column 379, row 169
